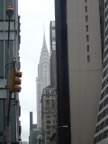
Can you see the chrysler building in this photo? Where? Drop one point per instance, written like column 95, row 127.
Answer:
column 43, row 78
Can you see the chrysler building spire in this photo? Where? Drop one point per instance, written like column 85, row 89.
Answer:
column 43, row 78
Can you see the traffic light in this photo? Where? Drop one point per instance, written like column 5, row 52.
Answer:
column 9, row 10
column 15, row 80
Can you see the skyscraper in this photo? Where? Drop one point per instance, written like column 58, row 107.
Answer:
column 79, row 69
column 43, row 78
column 5, row 65
column 101, row 132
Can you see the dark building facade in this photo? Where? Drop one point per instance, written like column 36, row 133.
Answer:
column 63, row 104
column 53, row 73
column 101, row 8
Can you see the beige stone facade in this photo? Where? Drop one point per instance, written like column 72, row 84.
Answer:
column 85, row 67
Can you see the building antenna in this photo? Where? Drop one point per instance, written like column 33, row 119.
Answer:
column 43, row 29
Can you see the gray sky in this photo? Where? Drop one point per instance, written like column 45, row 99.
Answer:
column 35, row 14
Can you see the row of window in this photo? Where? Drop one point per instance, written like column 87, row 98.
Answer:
column 104, row 103
column 106, row 13
column 106, row 32
column 49, row 122
column 50, row 103
column 51, row 116
column 49, row 111
column 106, row 51
column 105, row 62
column 105, row 73
column 51, row 92
column 101, row 126
column 105, row 92
column 104, row 83
column 102, row 115
column 101, row 136
column 50, row 96
column 106, row 4
column 106, row 43
column 49, row 127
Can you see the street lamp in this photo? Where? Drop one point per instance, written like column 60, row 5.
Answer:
column 64, row 126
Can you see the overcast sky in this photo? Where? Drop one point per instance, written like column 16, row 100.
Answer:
column 35, row 15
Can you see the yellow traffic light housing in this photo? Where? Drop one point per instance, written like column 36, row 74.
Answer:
column 15, row 81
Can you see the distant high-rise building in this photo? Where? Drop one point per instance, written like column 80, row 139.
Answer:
column 34, row 132
column 79, row 69
column 101, row 132
column 52, row 36
column 53, row 73
column 43, row 78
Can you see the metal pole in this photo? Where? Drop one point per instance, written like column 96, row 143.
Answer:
column 9, row 13
column 8, row 99
column 7, row 85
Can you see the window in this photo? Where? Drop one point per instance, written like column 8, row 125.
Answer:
column 86, row 9
column 99, row 117
column 48, row 127
column 99, row 138
column 53, row 103
column 53, row 24
column 101, row 106
column 53, row 33
column 86, row 18
column 48, row 132
column 48, row 122
column 47, row 103
column 88, row 58
column 102, row 125
column 87, row 38
column 53, row 45
column 1, row 59
column 87, row 48
column 97, row 129
column 104, row 113
column 48, row 116
column 53, row 122
column 86, row 28
column 1, row 10
column 95, row 140
column 106, row 122
column 105, row 134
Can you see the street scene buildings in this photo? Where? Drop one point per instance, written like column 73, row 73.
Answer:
column 72, row 81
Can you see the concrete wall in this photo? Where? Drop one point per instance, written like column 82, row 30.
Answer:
column 84, row 75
